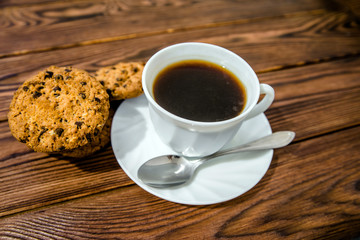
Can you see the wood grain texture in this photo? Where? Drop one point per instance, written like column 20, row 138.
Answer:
column 30, row 179
column 308, row 50
column 331, row 89
column 321, row 201
column 70, row 23
column 22, row 3
column 276, row 44
column 351, row 6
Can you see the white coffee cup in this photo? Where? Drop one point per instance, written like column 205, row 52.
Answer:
column 193, row 138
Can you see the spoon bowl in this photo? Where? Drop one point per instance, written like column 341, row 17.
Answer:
column 172, row 170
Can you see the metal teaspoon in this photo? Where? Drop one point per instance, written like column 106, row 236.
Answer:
column 171, row 170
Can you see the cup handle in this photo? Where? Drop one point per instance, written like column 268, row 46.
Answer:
column 265, row 102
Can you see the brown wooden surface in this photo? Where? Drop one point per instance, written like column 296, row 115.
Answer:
column 308, row 50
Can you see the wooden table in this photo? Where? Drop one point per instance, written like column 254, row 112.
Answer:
column 308, row 50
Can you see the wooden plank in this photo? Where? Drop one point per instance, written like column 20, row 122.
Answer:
column 276, row 43
column 42, row 27
column 13, row 3
column 352, row 6
column 317, row 114
column 316, row 197
column 308, row 112
column 313, row 94
column 30, row 179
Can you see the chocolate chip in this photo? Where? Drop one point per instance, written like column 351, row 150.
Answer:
column 56, row 94
column 59, row 131
column 36, row 94
column 83, row 96
column 96, row 132
column 39, row 88
column 116, row 85
column 124, row 86
column 25, row 88
column 68, row 77
column 59, row 77
column 97, row 99
column 83, row 83
column 68, row 70
column 42, row 132
column 88, row 137
column 109, row 92
column 57, row 88
column 135, row 70
column 113, row 68
column 62, row 148
column 48, row 74
column 102, row 83
column 78, row 124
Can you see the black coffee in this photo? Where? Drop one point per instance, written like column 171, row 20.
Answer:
column 200, row 91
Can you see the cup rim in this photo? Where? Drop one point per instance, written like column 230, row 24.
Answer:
column 186, row 121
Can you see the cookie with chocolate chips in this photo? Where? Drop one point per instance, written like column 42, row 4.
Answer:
column 59, row 109
column 122, row 80
column 101, row 140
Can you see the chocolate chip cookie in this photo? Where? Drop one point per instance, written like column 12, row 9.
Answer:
column 59, row 109
column 122, row 80
column 101, row 140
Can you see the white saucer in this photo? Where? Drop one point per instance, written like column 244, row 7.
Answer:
column 134, row 141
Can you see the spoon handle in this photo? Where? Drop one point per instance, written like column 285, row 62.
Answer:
column 275, row 140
